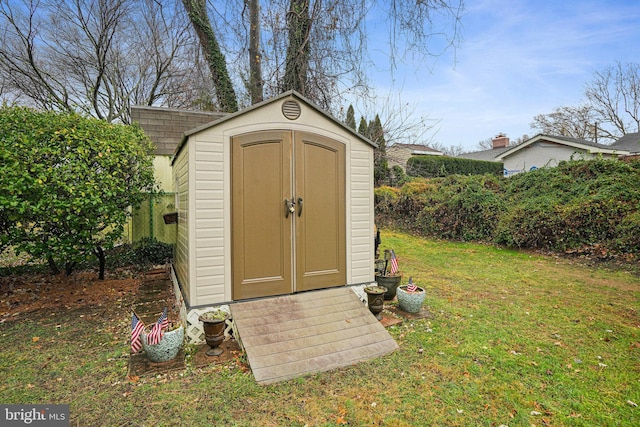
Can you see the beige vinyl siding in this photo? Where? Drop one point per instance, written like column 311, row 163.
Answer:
column 206, row 274
column 181, row 261
column 360, row 189
column 210, row 177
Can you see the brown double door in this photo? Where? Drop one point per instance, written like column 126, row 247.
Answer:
column 288, row 213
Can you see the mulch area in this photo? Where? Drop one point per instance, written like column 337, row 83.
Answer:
column 24, row 295
column 28, row 293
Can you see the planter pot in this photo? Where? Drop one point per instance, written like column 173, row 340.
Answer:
column 390, row 283
column 214, row 334
column 168, row 347
column 410, row 302
column 375, row 299
column 170, row 218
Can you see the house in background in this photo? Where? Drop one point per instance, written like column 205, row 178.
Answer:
column 165, row 127
column 399, row 154
column 543, row 151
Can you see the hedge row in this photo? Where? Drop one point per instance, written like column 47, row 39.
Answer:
column 578, row 207
column 441, row 166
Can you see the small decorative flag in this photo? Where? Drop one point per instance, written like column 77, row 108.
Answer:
column 156, row 333
column 136, row 328
column 411, row 287
column 394, row 262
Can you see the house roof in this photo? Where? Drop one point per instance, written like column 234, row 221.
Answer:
column 166, row 126
column 629, row 142
column 487, row 155
column 288, row 94
column 418, row 149
column 581, row 144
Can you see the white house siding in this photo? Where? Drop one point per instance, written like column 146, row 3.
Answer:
column 181, row 256
column 541, row 154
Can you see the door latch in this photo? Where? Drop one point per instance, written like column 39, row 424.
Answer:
column 290, row 207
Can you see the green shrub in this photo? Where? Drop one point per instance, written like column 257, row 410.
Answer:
column 586, row 206
column 153, row 251
column 441, row 166
column 68, row 183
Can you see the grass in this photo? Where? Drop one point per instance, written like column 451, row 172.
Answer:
column 513, row 339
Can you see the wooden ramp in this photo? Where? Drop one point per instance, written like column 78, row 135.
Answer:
column 294, row 335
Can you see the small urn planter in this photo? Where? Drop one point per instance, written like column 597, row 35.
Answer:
column 165, row 350
column 375, row 300
column 390, row 283
column 411, row 302
column 214, row 324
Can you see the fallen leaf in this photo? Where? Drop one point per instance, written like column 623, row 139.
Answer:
column 536, row 413
column 634, row 404
column 35, row 339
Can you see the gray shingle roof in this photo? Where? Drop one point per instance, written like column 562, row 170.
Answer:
column 629, row 142
column 488, row 155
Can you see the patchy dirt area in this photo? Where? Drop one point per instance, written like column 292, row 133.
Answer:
column 26, row 293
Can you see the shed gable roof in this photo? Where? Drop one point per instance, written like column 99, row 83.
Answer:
column 289, row 94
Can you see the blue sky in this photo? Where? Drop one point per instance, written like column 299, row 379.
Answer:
column 518, row 58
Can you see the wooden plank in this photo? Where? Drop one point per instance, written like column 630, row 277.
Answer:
column 287, row 337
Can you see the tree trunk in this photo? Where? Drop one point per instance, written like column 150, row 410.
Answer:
column 68, row 267
column 197, row 11
column 53, row 266
column 297, row 65
column 99, row 252
column 255, row 57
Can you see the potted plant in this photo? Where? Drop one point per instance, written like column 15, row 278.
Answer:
column 214, row 323
column 410, row 297
column 167, row 348
column 387, row 274
column 375, row 299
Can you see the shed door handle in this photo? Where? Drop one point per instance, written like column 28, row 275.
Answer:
column 299, row 206
column 289, row 207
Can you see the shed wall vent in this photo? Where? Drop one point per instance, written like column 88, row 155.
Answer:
column 291, row 109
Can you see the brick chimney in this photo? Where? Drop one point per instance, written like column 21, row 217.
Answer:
column 500, row 141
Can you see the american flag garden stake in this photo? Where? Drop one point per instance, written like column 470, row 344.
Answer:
column 136, row 328
column 411, row 287
column 394, row 263
column 156, row 333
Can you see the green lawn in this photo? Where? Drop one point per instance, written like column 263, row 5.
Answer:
column 514, row 339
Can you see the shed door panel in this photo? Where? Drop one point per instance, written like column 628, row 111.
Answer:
column 261, row 242
column 267, row 169
column 320, row 226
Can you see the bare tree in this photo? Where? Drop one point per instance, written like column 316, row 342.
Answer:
column 615, row 96
column 95, row 56
column 255, row 83
column 611, row 108
column 320, row 47
column 575, row 122
column 197, row 11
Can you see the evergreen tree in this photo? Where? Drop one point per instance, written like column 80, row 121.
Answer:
column 351, row 118
column 381, row 168
column 363, row 128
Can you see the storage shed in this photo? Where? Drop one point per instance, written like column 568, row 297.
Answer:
column 272, row 200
